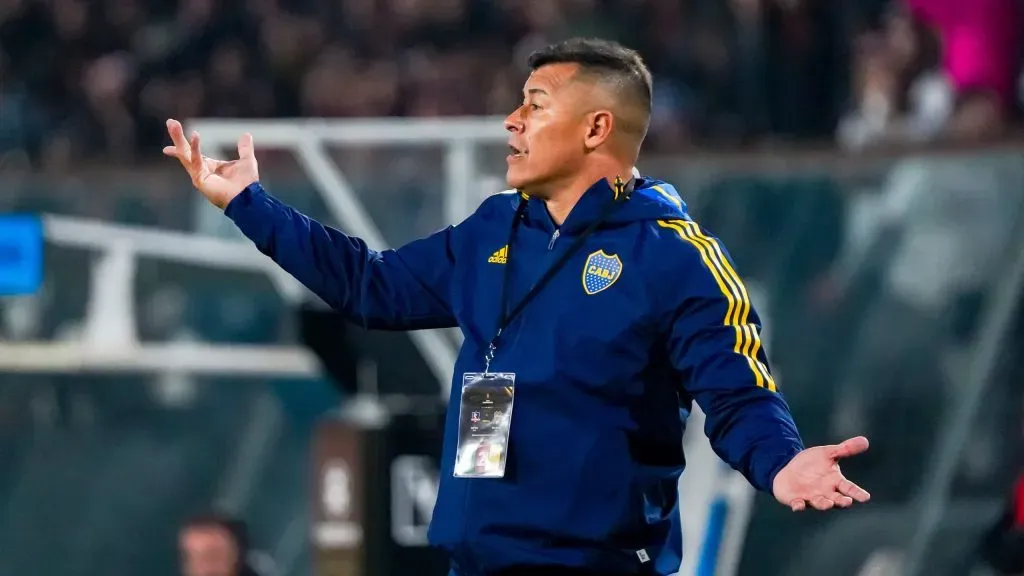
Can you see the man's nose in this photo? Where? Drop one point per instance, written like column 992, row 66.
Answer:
column 514, row 121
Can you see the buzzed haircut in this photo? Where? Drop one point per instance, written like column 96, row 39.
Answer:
column 237, row 529
column 612, row 64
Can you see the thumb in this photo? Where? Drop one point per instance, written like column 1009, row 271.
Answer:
column 246, row 151
column 851, row 447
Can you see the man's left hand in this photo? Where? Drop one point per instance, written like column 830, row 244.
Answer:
column 813, row 477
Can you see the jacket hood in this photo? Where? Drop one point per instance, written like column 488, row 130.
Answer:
column 643, row 199
column 650, row 199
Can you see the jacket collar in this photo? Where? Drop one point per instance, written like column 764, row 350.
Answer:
column 587, row 209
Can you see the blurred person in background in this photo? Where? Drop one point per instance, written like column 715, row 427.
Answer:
column 900, row 95
column 937, row 70
column 981, row 56
column 218, row 545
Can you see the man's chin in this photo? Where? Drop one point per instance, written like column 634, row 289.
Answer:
column 517, row 180
column 530, row 184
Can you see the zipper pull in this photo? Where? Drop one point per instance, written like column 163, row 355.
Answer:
column 618, row 188
column 551, row 244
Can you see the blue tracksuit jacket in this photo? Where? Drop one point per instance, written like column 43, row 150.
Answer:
column 648, row 316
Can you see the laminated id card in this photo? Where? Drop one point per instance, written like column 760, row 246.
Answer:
column 485, row 417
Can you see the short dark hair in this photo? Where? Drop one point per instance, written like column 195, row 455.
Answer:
column 608, row 61
column 237, row 529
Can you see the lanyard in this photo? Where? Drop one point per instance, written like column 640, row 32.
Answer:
column 505, row 316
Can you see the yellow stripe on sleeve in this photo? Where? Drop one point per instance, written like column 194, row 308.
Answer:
column 668, row 196
column 737, row 315
column 743, row 318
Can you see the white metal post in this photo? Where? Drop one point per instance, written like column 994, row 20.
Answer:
column 308, row 138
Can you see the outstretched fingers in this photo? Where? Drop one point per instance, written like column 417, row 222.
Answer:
column 180, row 149
column 831, row 492
column 848, row 448
column 847, row 488
column 196, row 159
column 246, row 149
column 822, row 503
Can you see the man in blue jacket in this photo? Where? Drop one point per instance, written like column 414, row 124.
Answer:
column 594, row 310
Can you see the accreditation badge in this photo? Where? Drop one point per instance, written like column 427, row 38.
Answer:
column 485, row 418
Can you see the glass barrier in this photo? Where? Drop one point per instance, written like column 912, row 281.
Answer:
column 875, row 274
column 99, row 471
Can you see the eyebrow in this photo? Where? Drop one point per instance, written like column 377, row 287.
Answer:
column 540, row 91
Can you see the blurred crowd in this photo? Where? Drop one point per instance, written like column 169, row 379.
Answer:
column 874, row 276
column 936, row 69
column 94, row 80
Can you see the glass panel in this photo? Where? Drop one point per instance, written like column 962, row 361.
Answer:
column 874, row 273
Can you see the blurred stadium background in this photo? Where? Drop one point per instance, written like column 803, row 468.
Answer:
column 862, row 160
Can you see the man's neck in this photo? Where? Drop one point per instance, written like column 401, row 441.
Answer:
column 560, row 205
column 565, row 196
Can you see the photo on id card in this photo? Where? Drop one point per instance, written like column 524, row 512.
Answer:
column 485, row 418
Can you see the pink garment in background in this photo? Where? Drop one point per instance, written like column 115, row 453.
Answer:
column 980, row 42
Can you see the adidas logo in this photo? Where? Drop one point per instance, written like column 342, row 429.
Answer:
column 499, row 257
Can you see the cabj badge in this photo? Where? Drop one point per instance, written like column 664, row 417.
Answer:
column 601, row 271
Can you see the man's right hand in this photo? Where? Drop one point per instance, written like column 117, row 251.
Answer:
column 220, row 181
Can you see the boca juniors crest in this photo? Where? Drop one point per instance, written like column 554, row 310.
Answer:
column 600, row 271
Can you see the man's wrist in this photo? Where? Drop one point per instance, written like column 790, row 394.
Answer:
column 782, row 459
column 243, row 199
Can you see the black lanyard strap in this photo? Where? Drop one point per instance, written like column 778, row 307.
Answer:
column 505, row 316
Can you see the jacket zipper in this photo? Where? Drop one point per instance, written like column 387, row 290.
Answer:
column 554, row 237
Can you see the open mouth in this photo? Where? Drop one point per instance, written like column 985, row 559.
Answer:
column 514, row 152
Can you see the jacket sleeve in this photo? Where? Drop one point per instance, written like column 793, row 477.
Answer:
column 402, row 289
column 714, row 342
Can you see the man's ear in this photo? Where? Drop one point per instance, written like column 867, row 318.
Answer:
column 599, row 128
